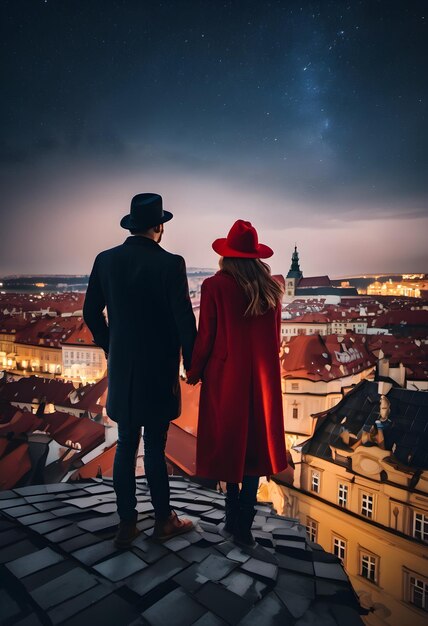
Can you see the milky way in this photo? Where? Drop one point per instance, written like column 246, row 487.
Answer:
column 309, row 118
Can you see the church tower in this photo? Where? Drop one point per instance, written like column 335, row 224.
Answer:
column 294, row 274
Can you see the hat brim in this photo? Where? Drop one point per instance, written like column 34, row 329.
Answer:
column 127, row 223
column 220, row 246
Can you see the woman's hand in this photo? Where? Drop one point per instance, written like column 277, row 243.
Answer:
column 192, row 379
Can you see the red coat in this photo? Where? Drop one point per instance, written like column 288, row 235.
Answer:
column 241, row 425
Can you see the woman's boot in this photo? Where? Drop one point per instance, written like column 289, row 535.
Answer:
column 231, row 508
column 243, row 535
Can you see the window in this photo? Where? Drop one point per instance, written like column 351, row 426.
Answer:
column 294, row 386
column 367, row 505
column 369, row 566
column 342, row 495
column 315, row 481
column 420, row 526
column 311, row 529
column 295, row 412
column 416, row 590
column 339, row 548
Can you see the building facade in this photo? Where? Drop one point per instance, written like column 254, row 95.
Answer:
column 82, row 360
column 363, row 494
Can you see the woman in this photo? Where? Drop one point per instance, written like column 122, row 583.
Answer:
column 236, row 355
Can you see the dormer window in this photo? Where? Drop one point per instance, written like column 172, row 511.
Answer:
column 315, row 481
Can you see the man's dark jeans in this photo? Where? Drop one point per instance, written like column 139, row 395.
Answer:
column 124, row 483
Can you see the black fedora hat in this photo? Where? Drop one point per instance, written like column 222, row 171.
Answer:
column 146, row 211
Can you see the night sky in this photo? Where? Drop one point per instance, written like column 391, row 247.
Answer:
column 307, row 118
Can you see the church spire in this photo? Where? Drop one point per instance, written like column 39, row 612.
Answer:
column 295, row 271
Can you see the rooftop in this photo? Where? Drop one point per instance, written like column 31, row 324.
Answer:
column 314, row 281
column 80, row 336
column 59, row 565
column 48, row 331
column 29, row 388
column 59, row 303
column 406, row 437
column 317, row 357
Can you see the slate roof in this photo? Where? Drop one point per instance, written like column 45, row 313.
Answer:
column 58, row 564
column 408, row 434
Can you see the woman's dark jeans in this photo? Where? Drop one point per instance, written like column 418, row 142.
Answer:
column 124, row 483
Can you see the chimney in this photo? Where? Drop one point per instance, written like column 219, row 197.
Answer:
column 383, row 367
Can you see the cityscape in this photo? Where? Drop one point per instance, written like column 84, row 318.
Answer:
column 354, row 365
column 214, row 313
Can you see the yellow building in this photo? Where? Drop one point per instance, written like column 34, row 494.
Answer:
column 9, row 327
column 363, row 495
column 408, row 288
column 38, row 359
column 37, row 346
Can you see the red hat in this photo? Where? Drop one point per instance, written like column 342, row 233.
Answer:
column 242, row 241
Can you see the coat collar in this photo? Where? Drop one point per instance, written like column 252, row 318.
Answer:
column 137, row 240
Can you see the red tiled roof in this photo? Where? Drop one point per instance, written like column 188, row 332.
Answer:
column 412, row 354
column 314, row 281
column 315, row 357
column 80, row 336
column 10, row 324
column 398, row 317
column 26, row 389
column 280, row 278
column 103, row 462
column 7, row 411
column 188, row 419
column 181, row 449
column 48, row 331
column 311, row 318
column 54, row 423
column 417, row 371
column 93, row 397
column 21, row 422
column 15, row 462
column 63, row 428
column 64, row 302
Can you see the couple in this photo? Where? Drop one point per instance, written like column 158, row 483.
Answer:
column 234, row 353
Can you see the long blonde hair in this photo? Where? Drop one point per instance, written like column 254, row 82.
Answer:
column 254, row 276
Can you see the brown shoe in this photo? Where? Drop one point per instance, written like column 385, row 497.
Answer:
column 126, row 533
column 171, row 527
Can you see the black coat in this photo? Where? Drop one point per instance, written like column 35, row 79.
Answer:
column 150, row 318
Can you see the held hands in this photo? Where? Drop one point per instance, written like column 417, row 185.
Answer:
column 191, row 380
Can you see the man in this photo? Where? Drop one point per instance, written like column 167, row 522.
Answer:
column 150, row 318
